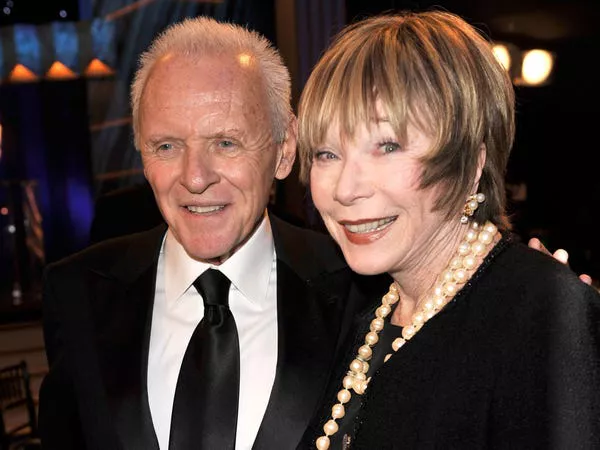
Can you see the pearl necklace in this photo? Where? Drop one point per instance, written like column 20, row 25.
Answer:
column 463, row 264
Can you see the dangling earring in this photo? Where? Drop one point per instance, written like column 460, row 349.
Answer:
column 471, row 205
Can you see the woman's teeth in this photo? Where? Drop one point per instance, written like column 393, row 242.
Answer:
column 370, row 226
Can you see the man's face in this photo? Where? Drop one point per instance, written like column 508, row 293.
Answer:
column 208, row 152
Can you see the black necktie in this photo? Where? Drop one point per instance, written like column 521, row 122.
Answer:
column 205, row 408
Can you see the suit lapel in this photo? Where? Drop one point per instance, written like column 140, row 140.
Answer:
column 126, row 297
column 309, row 298
column 307, row 338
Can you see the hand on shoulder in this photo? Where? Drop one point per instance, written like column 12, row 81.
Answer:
column 560, row 255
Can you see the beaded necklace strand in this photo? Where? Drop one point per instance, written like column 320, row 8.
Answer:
column 463, row 264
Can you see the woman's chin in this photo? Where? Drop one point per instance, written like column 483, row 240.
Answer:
column 363, row 267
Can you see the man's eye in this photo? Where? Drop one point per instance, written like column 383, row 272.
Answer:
column 226, row 144
column 165, row 147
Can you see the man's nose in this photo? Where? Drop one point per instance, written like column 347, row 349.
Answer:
column 199, row 170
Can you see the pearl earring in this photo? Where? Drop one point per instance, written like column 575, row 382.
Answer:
column 471, row 205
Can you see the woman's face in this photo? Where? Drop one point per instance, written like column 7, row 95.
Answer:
column 366, row 188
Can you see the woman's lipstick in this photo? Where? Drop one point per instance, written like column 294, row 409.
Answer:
column 362, row 232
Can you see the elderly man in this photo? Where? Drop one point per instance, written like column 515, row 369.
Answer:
column 145, row 352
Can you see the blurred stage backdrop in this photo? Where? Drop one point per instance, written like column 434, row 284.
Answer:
column 65, row 125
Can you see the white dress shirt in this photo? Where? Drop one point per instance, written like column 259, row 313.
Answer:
column 178, row 308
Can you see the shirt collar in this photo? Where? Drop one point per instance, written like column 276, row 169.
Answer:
column 249, row 268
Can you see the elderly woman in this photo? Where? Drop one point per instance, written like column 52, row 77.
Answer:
column 406, row 126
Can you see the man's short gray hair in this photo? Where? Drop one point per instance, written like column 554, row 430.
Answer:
column 204, row 36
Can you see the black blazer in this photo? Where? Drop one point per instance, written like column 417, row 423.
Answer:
column 512, row 362
column 135, row 206
column 97, row 317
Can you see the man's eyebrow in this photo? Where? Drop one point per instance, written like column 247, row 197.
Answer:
column 153, row 140
column 218, row 134
column 226, row 133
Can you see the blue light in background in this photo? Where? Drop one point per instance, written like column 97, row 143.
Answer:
column 66, row 44
column 27, row 47
column 1, row 61
column 103, row 40
column 81, row 207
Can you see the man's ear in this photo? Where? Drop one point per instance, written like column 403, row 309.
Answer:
column 287, row 150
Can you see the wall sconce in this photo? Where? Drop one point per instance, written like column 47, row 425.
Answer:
column 57, row 51
column 58, row 71
column 526, row 68
column 22, row 74
column 97, row 68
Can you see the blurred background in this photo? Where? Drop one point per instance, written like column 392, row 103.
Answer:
column 70, row 176
column 65, row 128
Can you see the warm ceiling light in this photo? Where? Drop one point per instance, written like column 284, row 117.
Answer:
column 502, row 55
column 21, row 74
column 537, row 65
column 58, row 71
column 97, row 68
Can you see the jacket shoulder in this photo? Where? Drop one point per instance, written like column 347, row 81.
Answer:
column 102, row 255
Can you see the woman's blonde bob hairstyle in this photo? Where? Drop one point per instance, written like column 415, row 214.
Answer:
column 431, row 69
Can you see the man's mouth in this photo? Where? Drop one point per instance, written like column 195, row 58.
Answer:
column 204, row 209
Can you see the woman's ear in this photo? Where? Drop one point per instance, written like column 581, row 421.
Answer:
column 480, row 165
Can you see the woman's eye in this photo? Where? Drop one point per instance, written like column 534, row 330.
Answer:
column 390, row 147
column 323, row 155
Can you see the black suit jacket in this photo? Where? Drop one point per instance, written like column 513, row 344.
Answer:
column 97, row 316
column 124, row 211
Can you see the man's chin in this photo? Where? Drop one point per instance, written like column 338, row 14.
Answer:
column 214, row 257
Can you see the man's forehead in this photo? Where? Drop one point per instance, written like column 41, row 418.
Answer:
column 200, row 100
column 237, row 62
column 205, row 74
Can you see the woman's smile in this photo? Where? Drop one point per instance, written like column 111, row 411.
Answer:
column 365, row 231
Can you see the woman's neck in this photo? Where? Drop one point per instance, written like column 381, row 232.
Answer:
column 417, row 282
